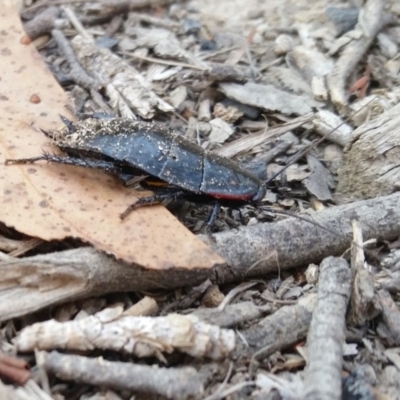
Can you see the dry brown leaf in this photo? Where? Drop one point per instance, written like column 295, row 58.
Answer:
column 57, row 201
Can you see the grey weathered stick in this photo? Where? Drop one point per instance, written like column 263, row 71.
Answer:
column 369, row 24
column 173, row 383
column 326, row 335
column 77, row 74
column 258, row 249
column 283, row 328
column 391, row 315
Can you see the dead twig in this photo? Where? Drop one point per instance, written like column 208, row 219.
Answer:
column 173, row 383
column 141, row 336
column 390, row 314
column 324, row 340
column 299, row 242
column 285, row 327
column 77, row 74
column 363, row 302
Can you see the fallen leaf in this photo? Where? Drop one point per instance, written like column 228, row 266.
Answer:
column 53, row 202
column 320, row 181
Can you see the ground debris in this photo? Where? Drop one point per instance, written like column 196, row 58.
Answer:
column 268, row 98
column 305, row 98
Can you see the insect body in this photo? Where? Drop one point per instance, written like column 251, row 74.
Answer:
column 128, row 147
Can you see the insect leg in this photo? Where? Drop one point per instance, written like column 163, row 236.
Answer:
column 52, row 158
column 157, row 198
column 214, row 214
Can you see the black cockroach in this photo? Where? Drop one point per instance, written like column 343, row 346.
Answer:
column 128, row 148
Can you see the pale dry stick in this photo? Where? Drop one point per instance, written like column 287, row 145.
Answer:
column 44, row 378
column 363, row 302
column 30, row 391
column 146, row 306
column 325, row 123
column 327, row 332
column 141, row 336
column 25, row 246
column 76, row 23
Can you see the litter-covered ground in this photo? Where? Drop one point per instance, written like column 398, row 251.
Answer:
column 275, row 277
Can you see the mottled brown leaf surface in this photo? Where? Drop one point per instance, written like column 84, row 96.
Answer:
column 57, row 201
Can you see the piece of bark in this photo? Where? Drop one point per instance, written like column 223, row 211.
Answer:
column 142, row 336
column 173, row 383
column 369, row 24
column 320, row 181
column 363, row 303
column 31, row 283
column 283, row 328
column 258, row 249
column 390, row 314
column 371, row 164
column 269, row 98
column 326, row 335
column 309, row 62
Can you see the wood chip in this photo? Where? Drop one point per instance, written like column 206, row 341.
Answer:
column 268, row 98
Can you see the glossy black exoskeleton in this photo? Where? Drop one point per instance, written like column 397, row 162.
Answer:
column 128, row 148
